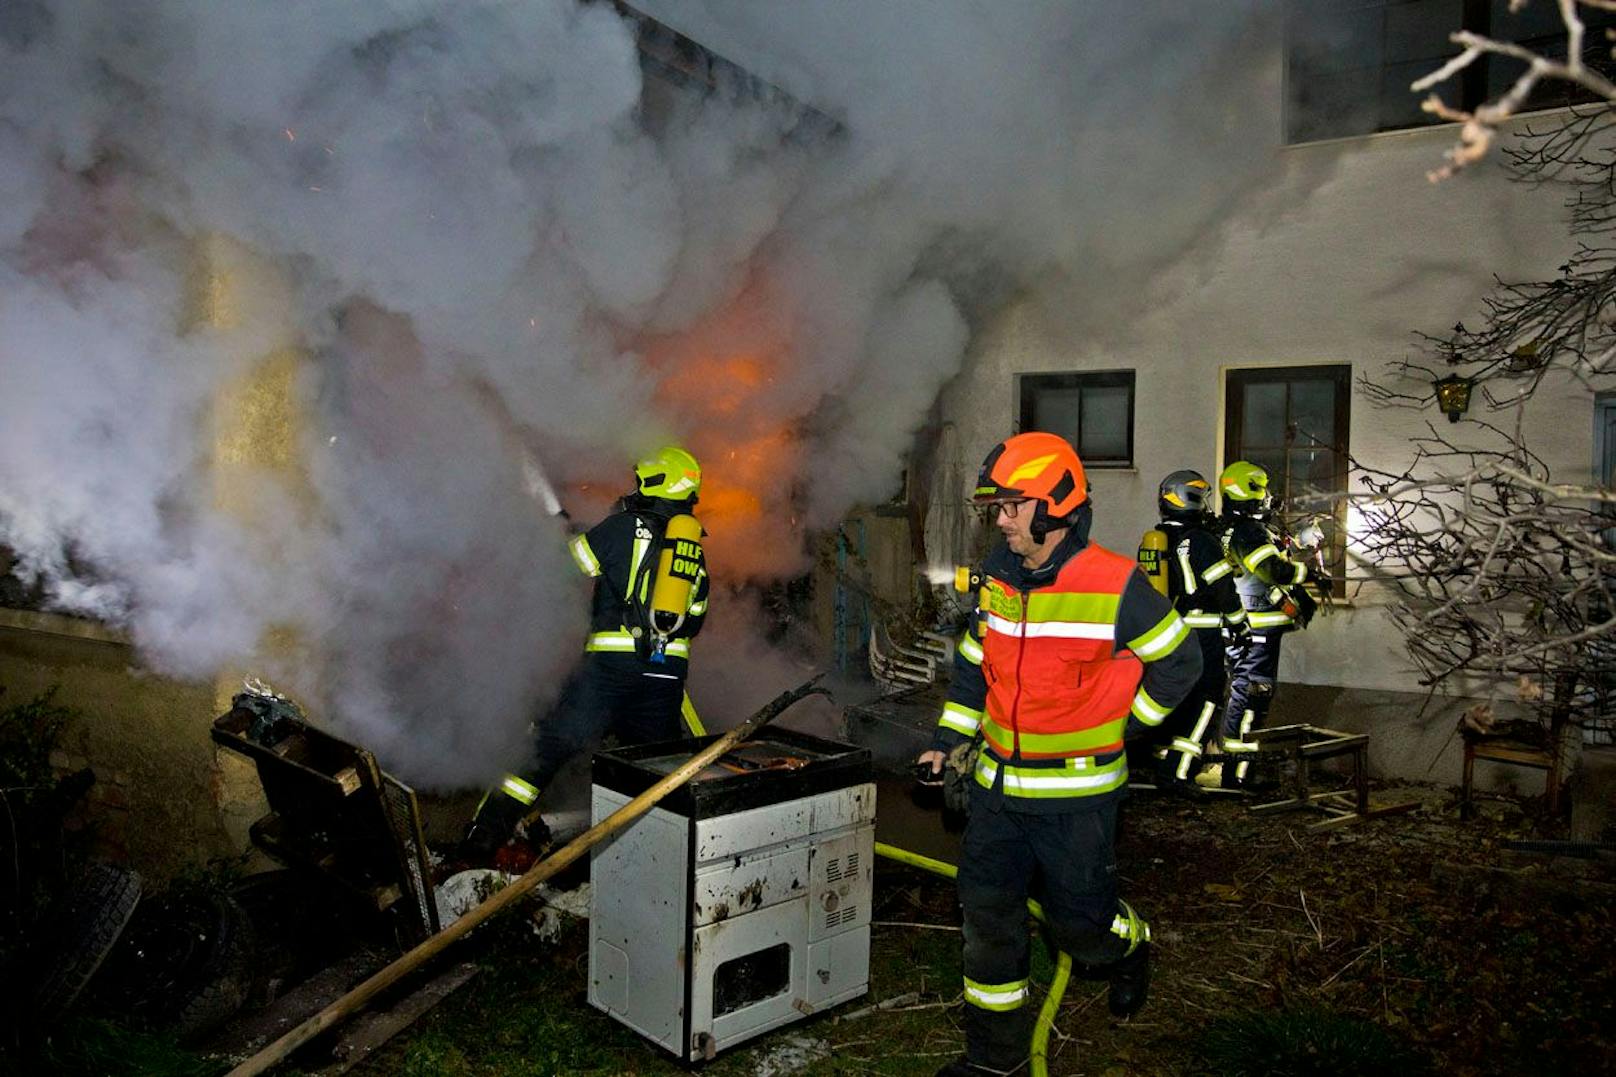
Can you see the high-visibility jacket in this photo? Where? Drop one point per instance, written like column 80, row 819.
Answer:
column 1263, row 574
column 620, row 553
column 1055, row 668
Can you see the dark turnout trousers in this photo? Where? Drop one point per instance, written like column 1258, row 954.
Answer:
column 1066, row 860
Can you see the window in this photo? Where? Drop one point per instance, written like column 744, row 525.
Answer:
column 1349, row 63
column 1092, row 409
column 1293, row 421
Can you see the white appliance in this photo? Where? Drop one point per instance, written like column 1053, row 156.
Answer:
column 742, row 901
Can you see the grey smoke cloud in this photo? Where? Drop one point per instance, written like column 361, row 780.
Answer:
column 465, row 202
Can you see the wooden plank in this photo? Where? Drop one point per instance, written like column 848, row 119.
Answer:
column 375, row 1028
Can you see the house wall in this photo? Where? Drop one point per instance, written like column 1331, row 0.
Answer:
column 1351, row 252
column 164, row 799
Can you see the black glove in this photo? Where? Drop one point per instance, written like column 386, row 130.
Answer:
column 1325, row 583
column 1305, row 606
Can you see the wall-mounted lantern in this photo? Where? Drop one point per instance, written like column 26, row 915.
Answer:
column 1453, row 396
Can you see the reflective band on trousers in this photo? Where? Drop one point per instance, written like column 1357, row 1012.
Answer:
column 1130, row 925
column 1079, row 777
column 1197, row 619
column 1268, row 618
column 970, row 650
column 1000, row 997
column 623, row 642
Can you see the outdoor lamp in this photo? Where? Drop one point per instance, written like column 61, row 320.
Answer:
column 1453, row 396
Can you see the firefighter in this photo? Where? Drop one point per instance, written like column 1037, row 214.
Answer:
column 1070, row 650
column 631, row 681
column 1270, row 588
column 1183, row 557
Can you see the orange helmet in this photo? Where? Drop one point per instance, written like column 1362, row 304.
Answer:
column 1043, row 467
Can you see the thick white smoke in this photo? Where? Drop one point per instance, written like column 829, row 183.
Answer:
column 482, row 239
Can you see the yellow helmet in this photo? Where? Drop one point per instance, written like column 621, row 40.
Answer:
column 1245, row 486
column 670, row 473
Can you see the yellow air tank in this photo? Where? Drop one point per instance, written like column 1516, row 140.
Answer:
column 1153, row 558
column 678, row 568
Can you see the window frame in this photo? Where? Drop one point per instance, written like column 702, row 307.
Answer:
column 1470, row 86
column 1028, row 383
column 1235, row 382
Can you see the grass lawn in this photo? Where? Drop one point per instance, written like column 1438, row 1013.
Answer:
column 1389, row 946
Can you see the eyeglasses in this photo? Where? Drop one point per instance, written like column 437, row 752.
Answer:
column 989, row 510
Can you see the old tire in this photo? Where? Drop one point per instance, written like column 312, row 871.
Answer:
column 185, row 964
column 79, row 934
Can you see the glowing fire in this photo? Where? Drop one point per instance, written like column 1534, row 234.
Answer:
column 720, row 382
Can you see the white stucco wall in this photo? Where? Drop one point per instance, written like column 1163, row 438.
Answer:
column 1352, row 252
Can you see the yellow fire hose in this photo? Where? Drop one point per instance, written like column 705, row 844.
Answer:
column 1063, row 960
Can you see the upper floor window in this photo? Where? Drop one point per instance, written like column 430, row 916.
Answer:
column 1091, row 409
column 1349, row 63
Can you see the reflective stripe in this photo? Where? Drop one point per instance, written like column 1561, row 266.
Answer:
column 1107, row 735
column 1060, row 629
column 1237, row 617
column 1160, row 641
column 517, row 789
column 1217, row 572
column 1197, row 735
column 1208, row 709
column 622, row 641
column 1259, row 555
column 1129, row 925
column 998, row 997
column 960, row 718
column 1185, row 568
column 1073, row 606
column 698, row 609
column 641, row 547
column 583, row 556
column 1188, row 747
column 1203, row 620
column 970, row 650
column 1079, row 777
column 1301, row 572
column 1269, row 618
column 1147, row 710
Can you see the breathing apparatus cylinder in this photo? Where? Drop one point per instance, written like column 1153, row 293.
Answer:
column 678, row 569
column 1153, row 558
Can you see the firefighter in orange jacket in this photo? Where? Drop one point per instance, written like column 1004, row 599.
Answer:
column 1071, row 650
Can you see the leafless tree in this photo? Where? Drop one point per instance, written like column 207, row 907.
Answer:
column 1497, row 570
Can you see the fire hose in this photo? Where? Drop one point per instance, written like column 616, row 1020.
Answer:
column 345, row 1006
column 1063, row 960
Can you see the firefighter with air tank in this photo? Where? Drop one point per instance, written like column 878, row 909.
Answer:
column 1183, row 558
column 650, row 598
column 1271, row 590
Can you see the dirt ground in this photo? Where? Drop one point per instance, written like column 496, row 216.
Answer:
column 1422, row 930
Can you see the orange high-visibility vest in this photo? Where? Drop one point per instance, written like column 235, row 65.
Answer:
column 1058, row 687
